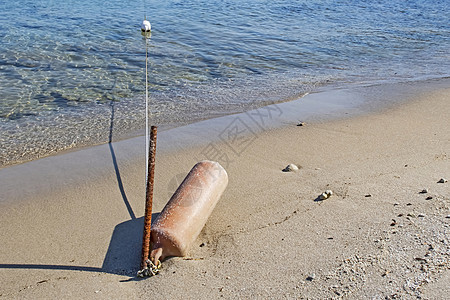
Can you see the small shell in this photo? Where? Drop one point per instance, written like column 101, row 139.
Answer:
column 290, row 168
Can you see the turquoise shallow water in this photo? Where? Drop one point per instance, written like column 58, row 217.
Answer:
column 67, row 66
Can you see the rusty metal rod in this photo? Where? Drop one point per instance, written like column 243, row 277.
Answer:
column 149, row 198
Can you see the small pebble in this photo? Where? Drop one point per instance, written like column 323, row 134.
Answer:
column 424, row 191
column 368, row 195
column 428, row 198
column 421, row 215
column 448, row 216
column 323, row 196
column 420, row 259
column 301, row 124
column 442, row 180
column 311, row 277
column 228, row 277
column 290, row 168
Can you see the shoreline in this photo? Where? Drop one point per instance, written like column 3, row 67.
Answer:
column 116, row 129
column 79, row 215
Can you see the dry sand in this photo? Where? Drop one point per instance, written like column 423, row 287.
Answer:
column 72, row 224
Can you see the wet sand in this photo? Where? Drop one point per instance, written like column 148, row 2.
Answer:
column 72, row 223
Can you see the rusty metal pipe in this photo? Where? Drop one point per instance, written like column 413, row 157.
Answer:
column 149, row 198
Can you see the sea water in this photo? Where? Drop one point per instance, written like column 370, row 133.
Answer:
column 73, row 72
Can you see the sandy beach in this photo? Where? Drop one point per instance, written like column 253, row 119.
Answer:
column 72, row 223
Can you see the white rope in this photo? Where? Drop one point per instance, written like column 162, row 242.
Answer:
column 147, row 141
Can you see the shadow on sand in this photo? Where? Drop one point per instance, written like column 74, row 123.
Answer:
column 124, row 252
column 122, row 258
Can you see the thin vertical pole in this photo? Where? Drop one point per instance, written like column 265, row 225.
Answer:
column 149, row 198
column 147, row 146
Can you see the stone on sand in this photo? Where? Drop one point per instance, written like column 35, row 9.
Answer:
column 291, row 168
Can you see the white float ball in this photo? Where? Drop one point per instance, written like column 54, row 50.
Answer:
column 146, row 26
